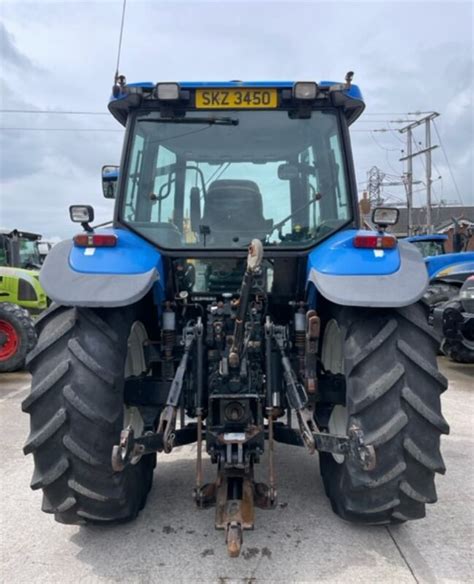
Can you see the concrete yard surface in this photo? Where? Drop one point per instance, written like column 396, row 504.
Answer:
column 300, row 541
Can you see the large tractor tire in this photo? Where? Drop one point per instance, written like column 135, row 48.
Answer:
column 393, row 388
column 77, row 412
column 439, row 293
column 460, row 349
column 17, row 336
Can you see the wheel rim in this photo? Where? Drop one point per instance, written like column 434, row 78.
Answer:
column 332, row 358
column 9, row 340
column 135, row 364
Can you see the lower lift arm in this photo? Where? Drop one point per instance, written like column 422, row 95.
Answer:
column 166, row 437
column 353, row 444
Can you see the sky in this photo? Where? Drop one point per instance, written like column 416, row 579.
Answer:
column 61, row 57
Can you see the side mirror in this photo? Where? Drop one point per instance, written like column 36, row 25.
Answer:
column 110, row 176
column 195, row 208
column 288, row 171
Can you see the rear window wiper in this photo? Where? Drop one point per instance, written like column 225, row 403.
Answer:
column 211, row 120
column 279, row 225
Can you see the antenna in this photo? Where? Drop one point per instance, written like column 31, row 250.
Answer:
column 117, row 76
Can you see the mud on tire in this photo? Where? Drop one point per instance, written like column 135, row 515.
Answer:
column 393, row 395
column 76, row 410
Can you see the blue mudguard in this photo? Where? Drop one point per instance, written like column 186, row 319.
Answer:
column 350, row 276
column 447, row 265
column 107, row 276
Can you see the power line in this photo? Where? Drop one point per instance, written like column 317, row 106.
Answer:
column 448, row 163
column 419, row 149
column 395, row 133
column 383, row 147
column 395, row 113
column 387, row 150
column 372, row 130
column 427, row 150
column 55, row 112
column 93, row 113
column 383, row 121
column 58, row 130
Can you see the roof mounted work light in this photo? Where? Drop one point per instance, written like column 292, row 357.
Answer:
column 167, row 91
column 385, row 216
column 305, row 90
column 81, row 213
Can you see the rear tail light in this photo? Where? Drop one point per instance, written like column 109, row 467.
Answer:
column 95, row 240
column 375, row 241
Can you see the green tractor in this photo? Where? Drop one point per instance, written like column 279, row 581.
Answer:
column 21, row 296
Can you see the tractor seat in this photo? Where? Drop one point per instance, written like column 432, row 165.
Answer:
column 234, row 208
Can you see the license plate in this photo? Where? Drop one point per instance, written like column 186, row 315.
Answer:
column 238, row 98
column 234, row 437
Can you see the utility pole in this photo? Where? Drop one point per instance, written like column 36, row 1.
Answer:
column 403, row 183
column 409, row 185
column 429, row 223
column 409, row 175
column 373, row 194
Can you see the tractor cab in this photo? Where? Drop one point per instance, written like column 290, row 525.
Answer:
column 20, row 249
column 211, row 166
column 429, row 245
column 20, row 262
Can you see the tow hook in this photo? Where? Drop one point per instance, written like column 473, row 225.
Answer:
column 234, row 539
column 364, row 452
column 126, row 450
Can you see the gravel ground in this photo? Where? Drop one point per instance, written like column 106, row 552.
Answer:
column 300, row 541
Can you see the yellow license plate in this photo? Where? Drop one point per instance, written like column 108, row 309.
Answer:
column 238, row 98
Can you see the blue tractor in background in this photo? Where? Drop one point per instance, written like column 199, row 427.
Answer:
column 449, row 292
column 234, row 302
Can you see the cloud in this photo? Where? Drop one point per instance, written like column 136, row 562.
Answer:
column 11, row 56
column 421, row 62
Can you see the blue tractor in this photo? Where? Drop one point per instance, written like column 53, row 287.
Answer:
column 446, row 295
column 234, row 302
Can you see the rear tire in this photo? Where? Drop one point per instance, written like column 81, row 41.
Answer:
column 457, row 351
column 438, row 293
column 460, row 349
column 76, row 408
column 393, row 392
column 18, row 336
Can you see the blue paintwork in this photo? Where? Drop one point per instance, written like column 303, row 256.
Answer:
column 449, row 264
column 353, row 92
column 132, row 255
column 144, row 84
column 211, row 84
column 431, row 237
column 111, row 176
column 337, row 256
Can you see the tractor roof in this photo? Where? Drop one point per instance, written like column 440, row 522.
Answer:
column 21, row 234
column 427, row 237
column 130, row 95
